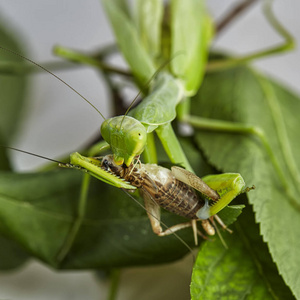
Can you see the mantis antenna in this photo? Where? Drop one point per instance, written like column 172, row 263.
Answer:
column 46, row 70
column 146, row 84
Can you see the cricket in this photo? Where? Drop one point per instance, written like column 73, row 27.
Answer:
column 168, row 76
column 171, row 190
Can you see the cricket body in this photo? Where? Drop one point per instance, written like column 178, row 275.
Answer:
column 161, row 187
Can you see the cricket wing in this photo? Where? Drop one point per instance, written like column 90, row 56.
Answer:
column 195, row 182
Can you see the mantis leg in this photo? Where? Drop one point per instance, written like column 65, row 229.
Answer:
column 81, row 58
column 172, row 146
column 98, row 148
column 240, row 128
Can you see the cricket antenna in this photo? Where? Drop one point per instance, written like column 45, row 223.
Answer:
column 57, row 77
column 33, row 154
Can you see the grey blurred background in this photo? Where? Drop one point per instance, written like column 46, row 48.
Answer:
column 58, row 121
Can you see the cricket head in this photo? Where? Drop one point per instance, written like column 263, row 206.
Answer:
column 126, row 136
column 108, row 164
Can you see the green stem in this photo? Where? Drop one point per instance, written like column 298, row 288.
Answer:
column 88, row 60
column 286, row 46
column 114, row 285
column 69, row 241
column 16, row 69
column 233, row 14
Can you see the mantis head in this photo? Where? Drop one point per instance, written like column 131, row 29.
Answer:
column 126, row 136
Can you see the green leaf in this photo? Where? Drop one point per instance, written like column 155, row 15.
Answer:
column 243, row 271
column 128, row 40
column 149, row 21
column 12, row 100
column 230, row 213
column 191, row 30
column 115, row 231
column 12, row 255
column 13, row 93
column 4, row 159
column 246, row 97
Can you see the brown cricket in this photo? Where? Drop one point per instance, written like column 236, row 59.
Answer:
column 160, row 187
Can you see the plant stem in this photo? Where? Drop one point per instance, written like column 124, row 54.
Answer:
column 287, row 45
column 233, row 14
column 115, row 275
column 88, row 60
column 69, row 241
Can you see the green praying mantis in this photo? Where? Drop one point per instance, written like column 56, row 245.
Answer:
column 167, row 98
column 168, row 95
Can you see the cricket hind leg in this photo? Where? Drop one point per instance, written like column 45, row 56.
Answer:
column 221, row 223
column 209, row 225
column 153, row 212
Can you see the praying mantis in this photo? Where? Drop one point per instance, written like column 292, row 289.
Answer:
column 176, row 87
column 155, row 113
column 78, row 244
